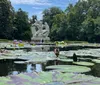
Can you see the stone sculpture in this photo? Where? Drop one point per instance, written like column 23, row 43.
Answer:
column 40, row 31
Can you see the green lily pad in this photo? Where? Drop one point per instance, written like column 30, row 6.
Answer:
column 19, row 62
column 84, row 58
column 62, row 57
column 55, row 83
column 4, row 80
column 66, row 60
column 96, row 60
column 84, row 63
column 48, row 78
column 69, row 68
column 36, row 61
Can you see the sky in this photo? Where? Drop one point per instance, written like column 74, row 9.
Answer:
column 36, row 7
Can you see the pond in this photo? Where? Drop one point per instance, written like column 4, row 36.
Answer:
column 9, row 67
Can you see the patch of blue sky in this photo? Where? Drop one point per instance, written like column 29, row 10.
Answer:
column 36, row 7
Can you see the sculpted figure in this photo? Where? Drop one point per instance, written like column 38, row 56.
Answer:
column 40, row 30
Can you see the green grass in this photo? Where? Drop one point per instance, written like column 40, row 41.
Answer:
column 67, row 41
column 4, row 40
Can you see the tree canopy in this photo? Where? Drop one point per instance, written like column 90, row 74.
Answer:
column 77, row 22
column 6, row 19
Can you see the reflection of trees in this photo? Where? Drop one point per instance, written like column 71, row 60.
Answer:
column 3, row 69
column 20, row 67
column 8, row 66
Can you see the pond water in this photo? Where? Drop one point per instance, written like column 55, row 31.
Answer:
column 8, row 67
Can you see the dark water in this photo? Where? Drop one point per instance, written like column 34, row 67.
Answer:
column 8, row 67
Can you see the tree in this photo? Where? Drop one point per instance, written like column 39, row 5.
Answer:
column 78, row 22
column 6, row 19
column 22, row 25
column 59, row 27
column 32, row 21
column 48, row 14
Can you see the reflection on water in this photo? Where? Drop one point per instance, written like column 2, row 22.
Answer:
column 8, row 67
column 38, row 67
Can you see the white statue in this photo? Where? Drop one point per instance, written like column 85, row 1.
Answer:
column 40, row 30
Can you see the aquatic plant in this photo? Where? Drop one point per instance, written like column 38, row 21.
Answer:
column 69, row 68
column 84, row 63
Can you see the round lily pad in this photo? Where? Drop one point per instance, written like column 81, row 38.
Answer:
column 55, row 83
column 84, row 58
column 69, row 68
column 49, row 78
column 19, row 62
column 96, row 60
column 66, row 60
column 36, row 61
column 84, row 63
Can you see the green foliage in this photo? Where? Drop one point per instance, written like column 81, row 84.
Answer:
column 6, row 19
column 22, row 26
column 13, row 25
column 78, row 22
column 48, row 14
column 34, row 17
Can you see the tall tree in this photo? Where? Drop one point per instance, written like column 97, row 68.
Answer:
column 58, row 30
column 6, row 19
column 48, row 14
column 22, row 25
column 32, row 21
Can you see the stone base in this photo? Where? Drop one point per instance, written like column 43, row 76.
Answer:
column 40, row 39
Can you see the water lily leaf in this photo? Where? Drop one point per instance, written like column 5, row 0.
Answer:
column 96, row 60
column 36, row 61
column 55, row 83
column 48, row 78
column 62, row 56
column 19, row 62
column 44, row 77
column 69, row 68
column 84, row 58
column 5, row 80
column 84, row 63
column 66, row 60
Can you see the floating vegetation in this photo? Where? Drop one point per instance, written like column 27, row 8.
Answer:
column 37, row 61
column 84, row 59
column 96, row 60
column 69, row 68
column 62, row 57
column 19, row 62
column 49, row 78
column 65, row 60
column 84, row 63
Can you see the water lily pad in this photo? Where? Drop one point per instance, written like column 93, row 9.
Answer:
column 84, row 58
column 36, row 61
column 62, row 57
column 55, row 83
column 19, row 62
column 96, row 60
column 84, row 63
column 66, row 60
column 47, row 78
column 69, row 68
